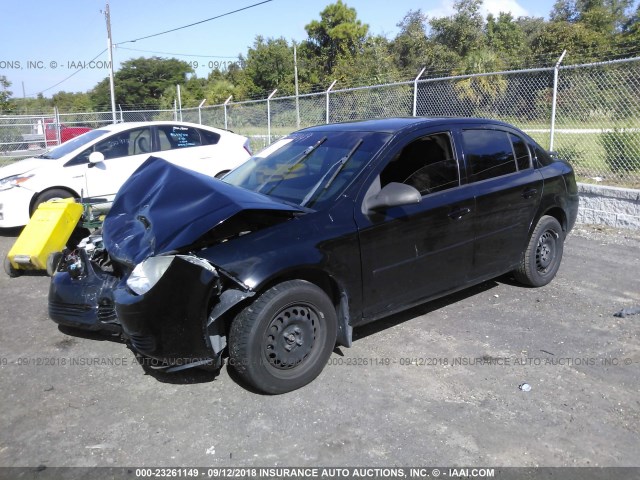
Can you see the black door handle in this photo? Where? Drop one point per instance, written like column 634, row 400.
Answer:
column 459, row 213
column 529, row 192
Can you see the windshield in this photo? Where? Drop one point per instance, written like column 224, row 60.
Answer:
column 308, row 168
column 73, row 144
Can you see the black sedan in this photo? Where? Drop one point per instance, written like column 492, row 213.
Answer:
column 327, row 229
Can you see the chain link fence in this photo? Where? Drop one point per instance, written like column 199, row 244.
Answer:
column 594, row 123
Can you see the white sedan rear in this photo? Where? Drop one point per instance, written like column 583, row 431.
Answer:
column 98, row 162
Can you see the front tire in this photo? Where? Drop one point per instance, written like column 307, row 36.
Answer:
column 541, row 259
column 53, row 194
column 283, row 340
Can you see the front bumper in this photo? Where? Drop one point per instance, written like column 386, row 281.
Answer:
column 14, row 207
column 84, row 301
column 169, row 322
column 178, row 322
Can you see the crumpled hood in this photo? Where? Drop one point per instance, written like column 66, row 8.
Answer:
column 163, row 207
column 23, row 166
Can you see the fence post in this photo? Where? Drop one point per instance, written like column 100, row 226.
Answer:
column 327, row 102
column 415, row 90
column 56, row 115
column 179, row 101
column 225, row 111
column 200, row 111
column 175, row 110
column 555, row 97
column 295, row 77
column 269, row 114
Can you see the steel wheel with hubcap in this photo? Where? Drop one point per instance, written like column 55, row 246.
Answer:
column 282, row 341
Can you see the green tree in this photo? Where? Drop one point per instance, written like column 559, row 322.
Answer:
column 631, row 29
column 564, row 11
column 71, row 102
column 411, row 45
column 269, row 65
column 373, row 65
column 463, row 31
column 214, row 90
column 507, row 38
column 191, row 93
column 218, row 91
column 581, row 43
column 337, row 34
column 531, row 28
column 141, row 82
column 480, row 90
column 37, row 105
column 5, row 93
column 604, row 16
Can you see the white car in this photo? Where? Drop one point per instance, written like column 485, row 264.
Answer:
column 98, row 162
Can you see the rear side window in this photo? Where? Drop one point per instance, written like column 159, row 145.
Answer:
column 521, row 151
column 543, row 157
column 210, row 138
column 489, row 154
column 178, row 136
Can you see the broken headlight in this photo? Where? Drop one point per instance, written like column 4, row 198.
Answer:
column 147, row 274
column 151, row 270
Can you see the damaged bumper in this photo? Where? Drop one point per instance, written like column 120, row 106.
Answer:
column 167, row 322
column 81, row 296
column 169, row 308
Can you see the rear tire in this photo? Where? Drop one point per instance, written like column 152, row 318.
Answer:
column 541, row 259
column 283, row 340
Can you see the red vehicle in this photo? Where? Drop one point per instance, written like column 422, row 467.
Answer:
column 66, row 133
column 45, row 133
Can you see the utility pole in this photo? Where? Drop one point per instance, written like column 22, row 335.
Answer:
column 107, row 15
column 295, row 73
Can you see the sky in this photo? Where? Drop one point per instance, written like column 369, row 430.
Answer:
column 42, row 43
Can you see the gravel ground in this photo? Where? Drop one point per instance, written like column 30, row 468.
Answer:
column 439, row 384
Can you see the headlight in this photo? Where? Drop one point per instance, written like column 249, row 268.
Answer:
column 14, row 181
column 151, row 270
column 148, row 273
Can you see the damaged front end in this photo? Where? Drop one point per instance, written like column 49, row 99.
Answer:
column 81, row 290
column 145, row 279
column 171, row 309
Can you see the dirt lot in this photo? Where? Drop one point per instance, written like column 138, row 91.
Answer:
column 438, row 385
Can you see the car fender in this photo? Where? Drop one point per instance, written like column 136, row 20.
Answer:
column 305, row 256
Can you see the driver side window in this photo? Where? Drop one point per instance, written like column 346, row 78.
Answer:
column 124, row 144
column 427, row 164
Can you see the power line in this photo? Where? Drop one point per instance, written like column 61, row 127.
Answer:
column 155, row 35
column 196, row 23
column 175, row 54
column 67, row 78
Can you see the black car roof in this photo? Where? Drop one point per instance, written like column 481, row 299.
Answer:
column 397, row 124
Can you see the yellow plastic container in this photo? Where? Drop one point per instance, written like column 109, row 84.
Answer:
column 48, row 231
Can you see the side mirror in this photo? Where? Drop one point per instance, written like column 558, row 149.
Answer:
column 94, row 158
column 393, row 195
